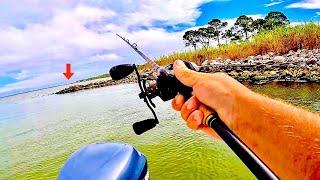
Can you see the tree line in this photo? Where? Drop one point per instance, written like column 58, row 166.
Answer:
column 243, row 28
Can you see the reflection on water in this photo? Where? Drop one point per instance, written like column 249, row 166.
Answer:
column 307, row 95
column 38, row 131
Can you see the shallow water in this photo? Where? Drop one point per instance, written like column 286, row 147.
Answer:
column 38, row 131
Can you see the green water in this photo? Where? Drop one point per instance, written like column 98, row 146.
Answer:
column 38, row 132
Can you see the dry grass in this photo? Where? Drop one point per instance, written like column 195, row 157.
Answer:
column 280, row 41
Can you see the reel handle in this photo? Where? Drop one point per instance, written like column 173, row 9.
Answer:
column 144, row 126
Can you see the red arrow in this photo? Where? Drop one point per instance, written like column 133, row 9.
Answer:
column 68, row 72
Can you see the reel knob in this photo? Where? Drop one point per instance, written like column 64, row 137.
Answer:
column 144, row 126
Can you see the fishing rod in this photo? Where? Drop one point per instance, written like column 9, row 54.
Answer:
column 134, row 46
column 167, row 86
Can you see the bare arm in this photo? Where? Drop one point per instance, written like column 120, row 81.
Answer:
column 285, row 137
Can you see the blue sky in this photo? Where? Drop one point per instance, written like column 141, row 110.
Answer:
column 234, row 8
column 37, row 38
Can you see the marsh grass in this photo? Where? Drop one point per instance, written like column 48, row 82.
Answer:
column 279, row 41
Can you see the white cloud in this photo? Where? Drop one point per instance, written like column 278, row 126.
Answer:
column 81, row 34
column 157, row 39
column 64, row 37
column 170, row 12
column 306, row 4
column 296, row 23
column 23, row 75
column 232, row 21
column 30, row 83
column 273, row 3
column 256, row 16
column 87, row 13
column 105, row 57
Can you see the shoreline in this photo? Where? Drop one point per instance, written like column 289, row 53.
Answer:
column 302, row 66
column 97, row 83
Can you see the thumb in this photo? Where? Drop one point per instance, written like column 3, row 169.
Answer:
column 187, row 76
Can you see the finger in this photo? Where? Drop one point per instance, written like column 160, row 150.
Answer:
column 189, row 106
column 187, row 76
column 205, row 110
column 208, row 130
column 177, row 102
column 195, row 119
column 205, row 128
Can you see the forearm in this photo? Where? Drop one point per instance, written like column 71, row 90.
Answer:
column 285, row 137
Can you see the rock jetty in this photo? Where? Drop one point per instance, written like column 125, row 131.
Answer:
column 300, row 66
column 74, row 88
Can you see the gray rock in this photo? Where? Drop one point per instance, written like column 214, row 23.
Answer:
column 279, row 59
column 315, row 51
column 291, row 52
column 271, row 54
column 273, row 73
column 266, row 56
column 291, row 65
column 213, row 63
column 206, row 62
column 235, row 63
column 251, row 57
column 303, row 55
column 258, row 57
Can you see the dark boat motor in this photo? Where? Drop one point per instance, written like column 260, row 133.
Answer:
column 105, row 161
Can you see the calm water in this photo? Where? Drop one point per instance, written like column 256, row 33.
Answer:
column 38, row 131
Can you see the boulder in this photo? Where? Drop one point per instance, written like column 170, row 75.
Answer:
column 279, row 59
column 273, row 73
column 245, row 74
column 266, row 57
column 206, row 62
column 258, row 78
column 271, row 54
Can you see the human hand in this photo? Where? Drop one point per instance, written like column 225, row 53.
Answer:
column 218, row 92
